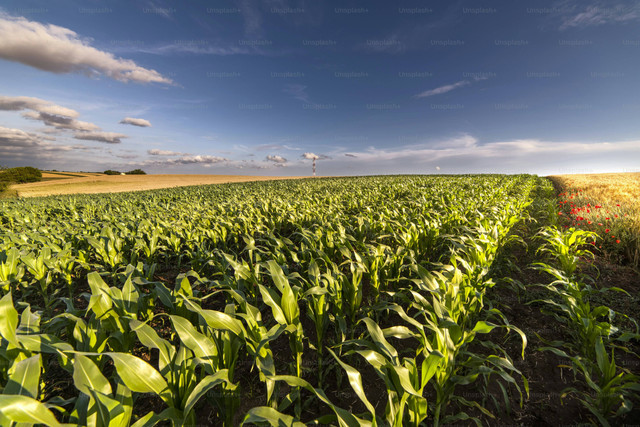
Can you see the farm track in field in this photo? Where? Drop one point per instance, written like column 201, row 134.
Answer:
column 405, row 300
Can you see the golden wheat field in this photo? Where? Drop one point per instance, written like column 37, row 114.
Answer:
column 98, row 183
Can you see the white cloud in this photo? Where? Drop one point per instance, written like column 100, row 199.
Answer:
column 17, row 103
column 156, row 152
column 60, row 50
column 598, row 13
column 448, row 88
column 203, row 160
column 442, row 89
column 108, row 137
column 312, row 156
column 297, row 91
column 49, row 113
column 276, row 159
column 60, row 122
column 10, row 137
column 136, row 122
column 464, row 154
column 252, row 19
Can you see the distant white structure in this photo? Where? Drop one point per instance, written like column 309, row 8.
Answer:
column 314, row 157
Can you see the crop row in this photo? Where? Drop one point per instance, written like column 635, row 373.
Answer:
column 285, row 295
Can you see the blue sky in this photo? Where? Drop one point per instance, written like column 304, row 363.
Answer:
column 260, row 88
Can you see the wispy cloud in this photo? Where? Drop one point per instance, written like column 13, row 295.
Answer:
column 136, row 122
column 156, row 152
column 297, row 91
column 17, row 103
column 108, row 137
column 447, row 88
column 60, row 50
column 465, row 153
column 252, row 18
column 598, row 13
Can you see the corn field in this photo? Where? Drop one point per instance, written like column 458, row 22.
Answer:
column 342, row 301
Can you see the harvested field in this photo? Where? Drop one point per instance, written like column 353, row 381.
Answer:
column 99, row 183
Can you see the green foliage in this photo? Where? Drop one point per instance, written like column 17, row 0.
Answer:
column 19, row 175
column 280, row 284
column 136, row 172
column 111, row 172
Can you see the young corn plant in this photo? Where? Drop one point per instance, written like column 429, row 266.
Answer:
column 11, row 269
column 611, row 389
column 184, row 376
column 286, row 312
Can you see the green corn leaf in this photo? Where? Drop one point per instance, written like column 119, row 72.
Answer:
column 24, row 409
column 355, row 380
column 266, row 414
column 218, row 320
column 151, row 419
column 29, row 322
column 378, row 338
column 222, row 376
column 87, row 376
column 270, row 298
column 149, row 338
column 43, row 343
column 345, row 418
column 200, row 344
column 139, row 376
column 24, row 377
column 483, row 327
column 124, row 398
column 8, row 320
column 107, row 409
column 279, row 279
column 100, row 301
